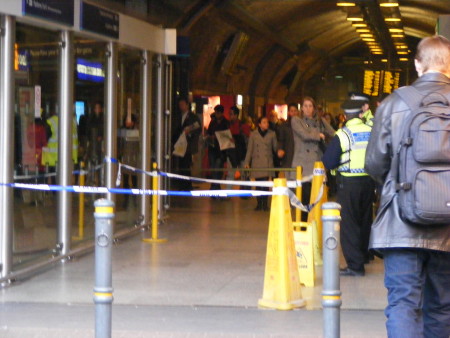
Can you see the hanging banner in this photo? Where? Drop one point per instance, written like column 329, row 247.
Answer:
column 60, row 11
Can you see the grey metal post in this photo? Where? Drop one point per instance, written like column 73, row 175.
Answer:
column 160, row 152
column 111, row 116
column 65, row 164
column 103, row 291
column 146, row 127
column 7, row 40
column 168, row 95
column 331, row 293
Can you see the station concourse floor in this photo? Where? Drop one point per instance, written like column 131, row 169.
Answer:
column 205, row 281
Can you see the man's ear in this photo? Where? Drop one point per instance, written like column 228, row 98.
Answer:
column 419, row 68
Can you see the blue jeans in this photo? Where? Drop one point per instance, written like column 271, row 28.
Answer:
column 418, row 284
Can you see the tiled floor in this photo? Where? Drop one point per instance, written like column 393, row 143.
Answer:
column 214, row 259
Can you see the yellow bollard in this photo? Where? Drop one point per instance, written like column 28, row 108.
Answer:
column 155, row 187
column 298, row 192
column 81, row 205
column 315, row 215
column 281, row 280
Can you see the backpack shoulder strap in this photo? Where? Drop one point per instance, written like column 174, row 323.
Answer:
column 411, row 96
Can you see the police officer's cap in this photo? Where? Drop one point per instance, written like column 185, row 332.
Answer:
column 352, row 106
column 359, row 97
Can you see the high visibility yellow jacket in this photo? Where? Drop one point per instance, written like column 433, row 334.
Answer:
column 353, row 138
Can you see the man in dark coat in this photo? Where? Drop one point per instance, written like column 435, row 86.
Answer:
column 416, row 257
column 189, row 124
column 286, row 138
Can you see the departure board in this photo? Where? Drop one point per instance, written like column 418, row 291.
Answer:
column 372, row 79
column 391, row 81
column 380, row 80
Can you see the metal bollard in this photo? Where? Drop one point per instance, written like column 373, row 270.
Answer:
column 103, row 291
column 331, row 293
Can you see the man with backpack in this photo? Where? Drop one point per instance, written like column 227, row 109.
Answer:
column 409, row 153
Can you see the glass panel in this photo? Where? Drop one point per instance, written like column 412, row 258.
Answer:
column 128, row 114
column 90, row 67
column 36, row 83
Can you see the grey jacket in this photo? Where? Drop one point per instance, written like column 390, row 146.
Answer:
column 306, row 141
column 389, row 230
column 260, row 153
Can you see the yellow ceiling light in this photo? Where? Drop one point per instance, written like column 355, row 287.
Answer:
column 345, row 4
column 388, row 4
column 359, row 24
column 368, row 39
column 397, row 35
column 384, row 60
column 395, row 30
column 402, row 53
column 392, row 19
column 377, row 53
column 367, row 35
column 355, row 19
column 403, row 59
column 363, row 30
column 401, row 47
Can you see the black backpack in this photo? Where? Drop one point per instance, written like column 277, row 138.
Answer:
column 421, row 164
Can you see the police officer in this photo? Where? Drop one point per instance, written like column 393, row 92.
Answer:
column 346, row 153
column 367, row 116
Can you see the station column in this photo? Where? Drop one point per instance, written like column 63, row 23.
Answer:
column 7, row 39
column 111, row 116
column 146, row 127
column 65, row 164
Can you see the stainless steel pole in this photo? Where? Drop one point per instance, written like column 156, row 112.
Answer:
column 103, row 290
column 65, row 164
column 165, row 204
column 331, row 293
column 7, row 40
column 160, row 151
column 146, row 127
column 111, row 117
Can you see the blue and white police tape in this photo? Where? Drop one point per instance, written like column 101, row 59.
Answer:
column 266, row 184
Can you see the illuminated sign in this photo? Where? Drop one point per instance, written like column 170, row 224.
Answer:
column 90, row 71
column 380, row 80
column 371, row 84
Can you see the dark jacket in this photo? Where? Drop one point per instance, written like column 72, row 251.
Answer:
column 389, row 230
column 285, row 139
column 192, row 137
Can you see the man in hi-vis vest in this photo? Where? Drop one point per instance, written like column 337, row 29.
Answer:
column 346, row 153
column 50, row 152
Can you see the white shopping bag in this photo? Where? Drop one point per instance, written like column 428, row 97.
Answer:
column 180, row 146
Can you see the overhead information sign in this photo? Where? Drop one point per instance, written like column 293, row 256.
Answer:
column 98, row 20
column 60, row 11
column 371, row 85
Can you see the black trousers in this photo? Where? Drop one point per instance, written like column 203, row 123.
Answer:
column 356, row 196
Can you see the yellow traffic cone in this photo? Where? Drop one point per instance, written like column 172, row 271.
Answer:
column 281, row 279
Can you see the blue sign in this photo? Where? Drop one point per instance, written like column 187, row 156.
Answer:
column 60, row 11
column 90, row 71
column 98, row 20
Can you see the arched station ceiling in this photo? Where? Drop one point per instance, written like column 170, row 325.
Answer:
column 281, row 44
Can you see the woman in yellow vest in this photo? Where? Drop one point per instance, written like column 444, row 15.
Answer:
column 346, row 153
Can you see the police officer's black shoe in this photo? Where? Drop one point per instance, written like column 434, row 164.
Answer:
column 350, row 272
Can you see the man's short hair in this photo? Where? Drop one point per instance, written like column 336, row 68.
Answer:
column 235, row 110
column 219, row 109
column 433, row 52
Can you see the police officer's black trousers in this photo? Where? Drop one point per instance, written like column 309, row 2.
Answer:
column 356, row 196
